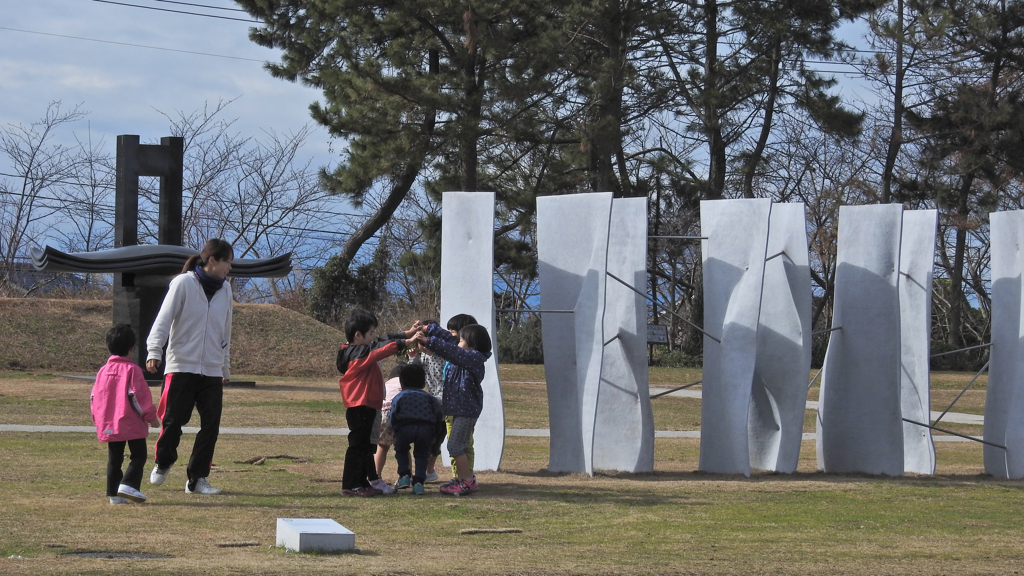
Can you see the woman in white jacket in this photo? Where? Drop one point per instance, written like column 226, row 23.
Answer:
column 195, row 323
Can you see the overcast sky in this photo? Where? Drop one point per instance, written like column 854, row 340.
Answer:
column 122, row 64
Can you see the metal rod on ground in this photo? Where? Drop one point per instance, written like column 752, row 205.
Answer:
column 961, row 350
column 676, row 389
column 825, row 331
column 955, row 434
column 818, row 373
column 773, row 256
column 680, row 237
column 535, row 311
column 623, row 282
column 969, row 384
column 612, row 339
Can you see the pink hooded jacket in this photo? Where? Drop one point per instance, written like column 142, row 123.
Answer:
column 121, row 402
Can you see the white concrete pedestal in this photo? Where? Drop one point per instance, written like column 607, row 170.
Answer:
column 314, row 534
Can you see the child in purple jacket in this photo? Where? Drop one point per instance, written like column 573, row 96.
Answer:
column 121, row 406
column 463, row 396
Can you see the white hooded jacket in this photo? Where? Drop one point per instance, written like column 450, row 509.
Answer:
column 199, row 330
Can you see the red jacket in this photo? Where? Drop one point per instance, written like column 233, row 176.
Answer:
column 362, row 383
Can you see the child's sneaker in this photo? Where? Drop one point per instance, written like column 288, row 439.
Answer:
column 126, row 491
column 431, row 478
column 118, row 500
column 403, row 482
column 381, row 485
column 200, row 486
column 450, row 482
column 364, row 492
column 417, row 489
column 158, row 475
column 460, row 488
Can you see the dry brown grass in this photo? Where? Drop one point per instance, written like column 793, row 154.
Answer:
column 674, row 521
column 67, row 336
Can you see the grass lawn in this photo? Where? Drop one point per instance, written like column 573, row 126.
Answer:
column 674, row 521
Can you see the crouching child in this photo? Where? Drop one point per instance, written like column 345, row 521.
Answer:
column 417, row 420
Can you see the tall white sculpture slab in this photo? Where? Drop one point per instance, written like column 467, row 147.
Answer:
column 624, row 426
column 572, row 250
column 859, row 426
column 1004, row 400
column 917, row 247
column 778, row 398
column 467, row 287
column 733, row 256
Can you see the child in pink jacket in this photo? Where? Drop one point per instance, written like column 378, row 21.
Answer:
column 121, row 407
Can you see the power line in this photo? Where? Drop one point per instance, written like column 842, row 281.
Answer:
column 132, row 45
column 250, row 21
column 201, row 5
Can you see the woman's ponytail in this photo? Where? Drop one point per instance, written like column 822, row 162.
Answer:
column 192, row 262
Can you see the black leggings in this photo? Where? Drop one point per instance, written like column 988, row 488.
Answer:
column 115, row 457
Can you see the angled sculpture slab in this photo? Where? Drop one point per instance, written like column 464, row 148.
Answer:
column 624, row 426
column 917, row 249
column 572, row 253
column 778, row 399
column 859, row 425
column 1004, row 400
column 467, row 287
column 733, row 256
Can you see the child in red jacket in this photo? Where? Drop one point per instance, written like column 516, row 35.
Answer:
column 121, row 405
column 362, row 390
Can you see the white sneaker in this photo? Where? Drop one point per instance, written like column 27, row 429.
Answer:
column 126, row 491
column 383, row 486
column 118, row 500
column 431, row 478
column 201, row 487
column 158, row 475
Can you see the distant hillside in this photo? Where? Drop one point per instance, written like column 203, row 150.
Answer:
column 67, row 336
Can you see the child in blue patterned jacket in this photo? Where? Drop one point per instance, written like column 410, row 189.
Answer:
column 418, row 421
column 463, row 395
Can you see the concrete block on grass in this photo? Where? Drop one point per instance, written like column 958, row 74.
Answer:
column 314, row 535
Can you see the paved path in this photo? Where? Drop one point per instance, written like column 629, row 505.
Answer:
column 952, row 417
column 527, row 432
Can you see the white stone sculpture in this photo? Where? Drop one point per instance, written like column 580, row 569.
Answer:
column 624, row 425
column 859, row 425
column 733, row 256
column 778, row 397
column 572, row 252
column 1004, row 400
column 467, row 287
column 917, row 249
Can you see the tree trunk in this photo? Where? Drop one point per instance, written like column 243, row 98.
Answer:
column 896, row 136
column 956, row 273
column 710, row 110
column 750, row 167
